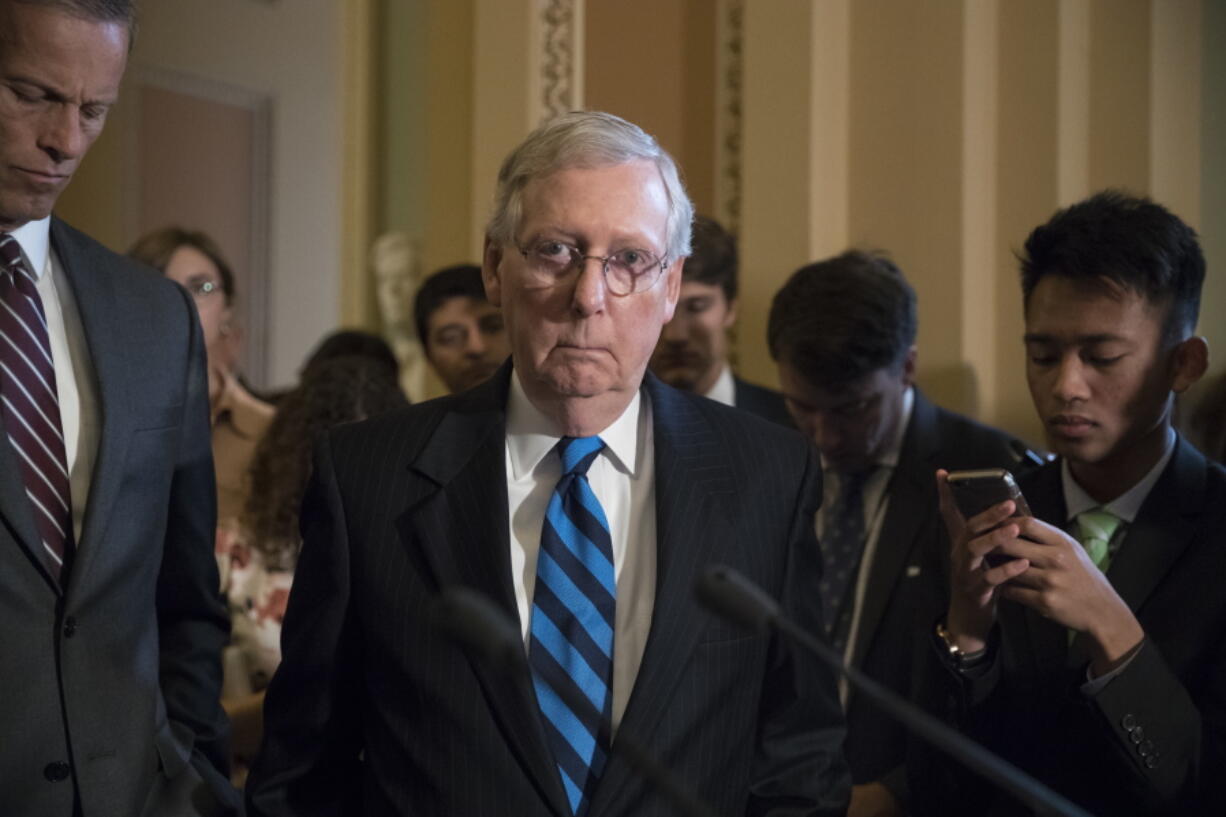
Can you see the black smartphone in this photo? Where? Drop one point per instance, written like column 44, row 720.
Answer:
column 976, row 491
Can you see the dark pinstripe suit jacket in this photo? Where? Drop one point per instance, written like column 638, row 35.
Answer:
column 1153, row 741
column 374, row 712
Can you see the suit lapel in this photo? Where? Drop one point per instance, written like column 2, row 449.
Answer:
column 103, row 320
column 693, row 490
column 457, row 519
column 907, row 516
column 1162, row 529
column 16, row 511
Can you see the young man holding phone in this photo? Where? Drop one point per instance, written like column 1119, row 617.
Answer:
column 1091, row 657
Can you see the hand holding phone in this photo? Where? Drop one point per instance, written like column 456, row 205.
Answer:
column 976, row 491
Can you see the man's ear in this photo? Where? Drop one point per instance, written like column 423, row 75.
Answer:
column 491, row 275
column 672, row 288
column 909, row 366
column 1191, row 361
column 730, row 315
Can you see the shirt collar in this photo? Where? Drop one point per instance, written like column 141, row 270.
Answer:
column 724, row 388
column 35, row 240
column 531, row 435
column 1126, row 505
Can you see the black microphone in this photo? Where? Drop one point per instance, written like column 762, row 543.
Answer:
column 473, row 620
column 727, row 593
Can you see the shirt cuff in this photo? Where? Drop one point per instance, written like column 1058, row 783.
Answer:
column 1093, row 686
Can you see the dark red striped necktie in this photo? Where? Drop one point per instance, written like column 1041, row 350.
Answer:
column 31, row 406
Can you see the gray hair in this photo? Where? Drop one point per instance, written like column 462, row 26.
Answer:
column 586, row 139
column 96, row 11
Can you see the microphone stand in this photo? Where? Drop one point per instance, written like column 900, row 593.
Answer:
column 731, row 595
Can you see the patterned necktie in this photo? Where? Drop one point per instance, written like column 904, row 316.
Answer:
column 842, row 546
column 572, row 624
column 31, row 405
column 1094, row 530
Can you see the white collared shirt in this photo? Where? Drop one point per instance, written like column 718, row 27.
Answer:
column 876, row 501
column 1126, row 505
column 724, row 388
column 623, row 478
column 74, row 369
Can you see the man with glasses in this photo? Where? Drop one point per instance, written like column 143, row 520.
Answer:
column 584, row 498
column 111, row 627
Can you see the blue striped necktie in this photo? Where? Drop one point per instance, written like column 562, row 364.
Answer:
column 571, row 643
column 31, row 406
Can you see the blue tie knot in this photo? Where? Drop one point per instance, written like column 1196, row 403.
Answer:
column 578, row 453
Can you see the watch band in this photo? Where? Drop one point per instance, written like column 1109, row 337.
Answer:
column 955, row 655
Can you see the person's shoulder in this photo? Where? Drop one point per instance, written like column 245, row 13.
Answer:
column 407, row 429
column 738, row 431
column 124, row 273
column 974, row 444
column 762, row 401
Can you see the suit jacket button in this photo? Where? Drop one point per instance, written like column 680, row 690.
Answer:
column 1137, row 735
column 1146, row 748
column 55, row 772
column 1129, row 722
column 70, row 627
column 1151, row 762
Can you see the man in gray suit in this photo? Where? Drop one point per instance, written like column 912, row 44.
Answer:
column 110, row 621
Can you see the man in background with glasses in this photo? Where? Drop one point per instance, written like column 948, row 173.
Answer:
column 584, row 498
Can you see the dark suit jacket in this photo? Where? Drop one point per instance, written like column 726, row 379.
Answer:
column 118, row 673
column 907, row 578
column 759, row 400
column 1154, row 740
column 374, row 711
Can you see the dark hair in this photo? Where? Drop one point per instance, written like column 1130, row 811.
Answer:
column 713, row 257
column 1127, row 241
column 157, row 247
column 459, row 281
column 352, row 343
column 100, row 11
column 337, row 391
column 841, row 319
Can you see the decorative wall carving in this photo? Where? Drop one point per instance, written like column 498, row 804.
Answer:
column 729, row 113
column 561, row 57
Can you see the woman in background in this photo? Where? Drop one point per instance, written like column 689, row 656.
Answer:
column 193, row 260
column 263, row 553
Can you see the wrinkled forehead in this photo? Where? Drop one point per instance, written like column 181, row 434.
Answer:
column 627, row 198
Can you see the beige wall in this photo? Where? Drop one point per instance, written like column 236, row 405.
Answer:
column 292, row 56
column 939, row 130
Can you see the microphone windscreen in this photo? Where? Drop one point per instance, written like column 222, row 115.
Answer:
column 727, row 593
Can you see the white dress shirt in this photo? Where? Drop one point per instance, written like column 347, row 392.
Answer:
column 724, row 388
column 623, row 478
column 74, row 369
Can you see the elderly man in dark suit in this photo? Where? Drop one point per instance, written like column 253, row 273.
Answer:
column 1091, row 653
column 692, row 353
column 110, row 624
column 843, row 332
column 584, row 497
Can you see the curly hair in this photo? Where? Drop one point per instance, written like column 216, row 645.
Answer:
column 336, row 391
